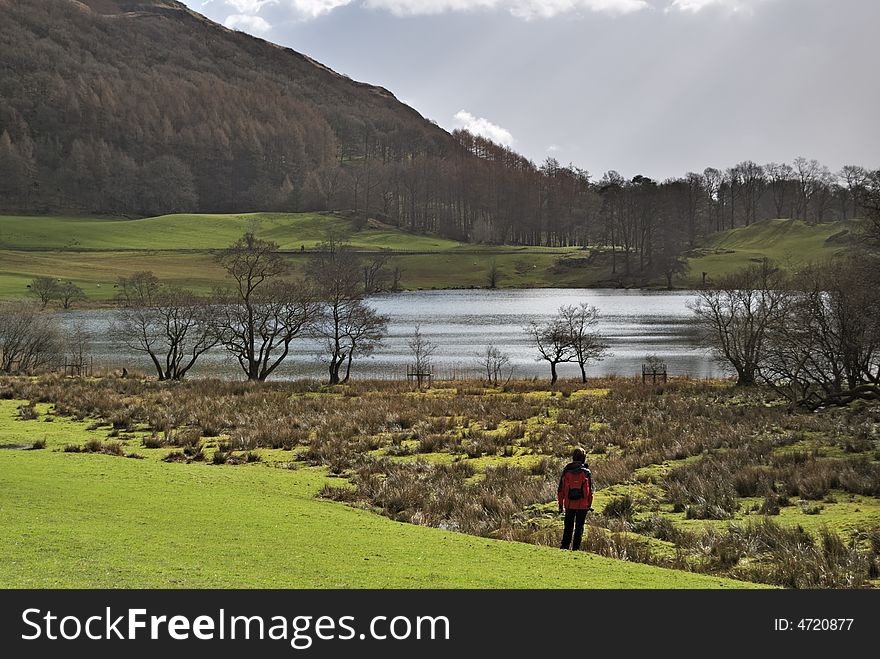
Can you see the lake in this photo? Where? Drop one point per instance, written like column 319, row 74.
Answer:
column 461, row 323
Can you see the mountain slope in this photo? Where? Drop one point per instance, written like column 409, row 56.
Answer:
column 144, row 106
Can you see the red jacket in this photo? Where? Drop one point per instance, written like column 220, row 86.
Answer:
column 576, row 480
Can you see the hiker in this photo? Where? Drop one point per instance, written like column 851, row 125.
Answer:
column 575, row 497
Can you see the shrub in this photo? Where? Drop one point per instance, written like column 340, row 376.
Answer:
column 93, row 446
column 28, row 412
column 703, row 490
column 622, row 507
column 153, row 441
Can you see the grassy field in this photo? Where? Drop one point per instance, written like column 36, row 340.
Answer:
column 250, row 485
column 202, row 232
column 790, row 243
column 83, row 520
column 94, row 252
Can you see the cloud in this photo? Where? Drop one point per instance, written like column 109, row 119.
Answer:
column 249, row 7
column 247, row 23
column 483, row 127
column 694, row 6
column 527, row 9
column 553, row 148
column 523, row 9
column 315, row 8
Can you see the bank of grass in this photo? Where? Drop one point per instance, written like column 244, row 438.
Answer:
column 788, row 243
column 83, row 520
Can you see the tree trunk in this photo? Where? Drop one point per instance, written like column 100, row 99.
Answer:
column 335, row 363
column 553, row 376
column 348, row 367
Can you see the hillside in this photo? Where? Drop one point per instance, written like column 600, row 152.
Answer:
column 144, row 106
column 789, row 243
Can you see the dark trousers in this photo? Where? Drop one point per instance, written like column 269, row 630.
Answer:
column 574, row 521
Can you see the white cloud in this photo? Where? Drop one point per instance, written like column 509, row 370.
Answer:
column 527, row 9
column 694, row 6
column 553, row 148
column 483, row 127
column 247, row 23
column 248, row 14
column 315, row 8
column 249, row 6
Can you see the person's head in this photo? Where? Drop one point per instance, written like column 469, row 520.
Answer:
column 579, row 455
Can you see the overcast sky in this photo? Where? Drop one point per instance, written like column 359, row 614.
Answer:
column 653, row 87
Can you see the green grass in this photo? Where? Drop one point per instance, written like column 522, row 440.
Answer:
column 94, row 252
column 86, row 520
column 200, row 232
column 789, row 243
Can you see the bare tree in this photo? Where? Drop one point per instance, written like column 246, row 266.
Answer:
column 855, row 180
column 45, row 288
column 872, row 207
column 737, row 314
column 553, row 342
column 587, row 344
column 779, row 178
column 421, row 350
column 492, row 274
column 77, row 341
column 172, row 326
column 29, row 339
column 377, row 276
column 138, row 288
column 346, row 323
column 364, row 329
column 712, row 179
column 826, row 349
column 751, row 179
column 494, row 363
column 262, row 314
column 69, row 293
column 812, row 179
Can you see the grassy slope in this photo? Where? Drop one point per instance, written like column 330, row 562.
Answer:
column 169, row 232
column 790, row 243
column 78, row 520
column 93, row 252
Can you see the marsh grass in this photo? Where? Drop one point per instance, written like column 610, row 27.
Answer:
column 487, row 461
